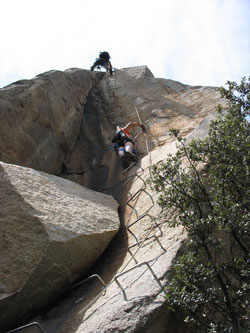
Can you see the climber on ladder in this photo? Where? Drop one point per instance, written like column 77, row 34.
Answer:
column 103, row 61
column 124, row 144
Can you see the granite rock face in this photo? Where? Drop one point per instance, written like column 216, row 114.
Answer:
column 51, row 232
column 40, row 119
column 134, row 299
column 139, row 72
column 62, row 123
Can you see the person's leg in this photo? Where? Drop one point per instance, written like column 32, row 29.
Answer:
column 98, row 62
column 108, row 67
column 129, row 148
column 121, row 154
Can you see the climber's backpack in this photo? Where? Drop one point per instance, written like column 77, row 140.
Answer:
column 104, row 55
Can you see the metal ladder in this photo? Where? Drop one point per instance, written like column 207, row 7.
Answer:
column 117, row 118
column 116, row 113
column 34, row 327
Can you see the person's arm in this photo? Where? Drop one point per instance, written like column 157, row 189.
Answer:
column 115, row 138
column 134, row 124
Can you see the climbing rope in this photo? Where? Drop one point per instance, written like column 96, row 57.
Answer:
column 146, row 142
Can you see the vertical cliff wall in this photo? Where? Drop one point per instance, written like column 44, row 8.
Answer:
column 134, row 299
column 62, row 123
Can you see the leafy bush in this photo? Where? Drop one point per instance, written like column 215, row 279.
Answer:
column 207, row 186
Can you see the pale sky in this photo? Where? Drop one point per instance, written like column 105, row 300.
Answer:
column 196, row 42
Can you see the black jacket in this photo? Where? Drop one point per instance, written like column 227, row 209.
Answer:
column 121, row 138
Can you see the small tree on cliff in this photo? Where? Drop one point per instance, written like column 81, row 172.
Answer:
column 211, row 199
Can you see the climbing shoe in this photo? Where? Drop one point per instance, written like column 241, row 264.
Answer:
column 125, row 163
column 131, row 157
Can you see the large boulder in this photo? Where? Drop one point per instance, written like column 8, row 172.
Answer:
column 84, row 156
column 139, row 72
column 52, row 231
column 40, row 119
column 56, row 123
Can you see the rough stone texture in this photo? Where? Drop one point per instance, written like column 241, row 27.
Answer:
column 161, row 104
column 62, row 122
column 92, row 163
column 139, row 72
column 51, row 232
column 40, row 118
column 140, row 305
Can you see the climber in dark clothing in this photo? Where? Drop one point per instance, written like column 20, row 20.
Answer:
column 103, row 61
column 124, row 144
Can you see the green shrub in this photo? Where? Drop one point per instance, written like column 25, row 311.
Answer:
column 206, row 188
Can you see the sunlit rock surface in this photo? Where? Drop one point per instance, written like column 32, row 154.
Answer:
column 77, row 147
column 51, row 232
